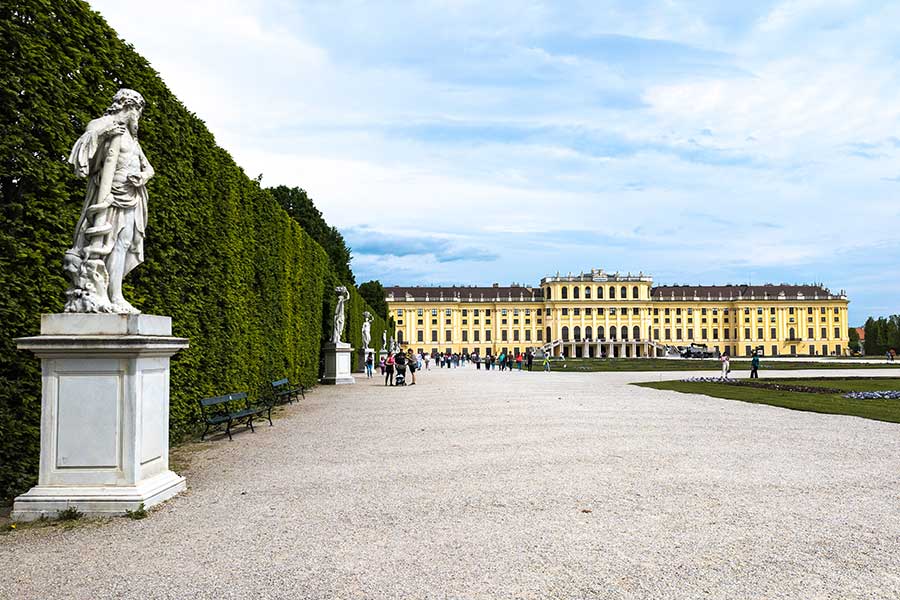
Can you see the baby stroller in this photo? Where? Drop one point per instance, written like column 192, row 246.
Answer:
column 400, row 375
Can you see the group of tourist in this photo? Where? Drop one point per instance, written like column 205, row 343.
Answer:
column 726, row 365
column 395, row 366
column 504, row 361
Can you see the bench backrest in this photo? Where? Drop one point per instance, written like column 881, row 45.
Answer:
column 223, row 399
column 280, row 383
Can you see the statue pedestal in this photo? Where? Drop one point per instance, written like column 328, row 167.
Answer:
column 104, row 414
column 338, row 363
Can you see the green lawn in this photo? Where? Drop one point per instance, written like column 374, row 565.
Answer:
column 879, row 410
column 687, row 364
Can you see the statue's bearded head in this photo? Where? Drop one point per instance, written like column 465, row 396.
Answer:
column 128, row 105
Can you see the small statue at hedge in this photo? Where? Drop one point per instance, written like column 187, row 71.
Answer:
column 109, row 236
column 384, row 341
column 342, row 296
column 367, row 329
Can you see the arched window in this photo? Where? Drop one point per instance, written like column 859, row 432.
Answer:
column 564, row 292
column 399, row 337
column 624, row 293
column 612, row 293
column 612, row 333
column 624, row 332
column 635, row 292
column 588, row 333
column 599, row 292
column 636, row 334
column 587, row 292
column 577, row 331
column 565, row 333
column 600, row 333
column 549, row 335
column 575, row 291
column 791, row 334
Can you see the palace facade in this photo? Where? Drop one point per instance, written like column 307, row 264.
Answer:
column 611, row 314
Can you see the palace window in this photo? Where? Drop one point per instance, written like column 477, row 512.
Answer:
column 527, row 335
column 503, row 312
column 824, row 333
column 515, row 312
column 565, row 311
column 447, row 312
column 715, row 333
column 546, row 311
column 433, row 312
column 599, row 310
column 759, row 311
column 809, row 333
column 612, row 310
column 576, row 292
column 837, row 332
column 476, row 335
column 539, row 335
column 587, row 292
column 465, row 321
column 587, row 310
column 636, row 311
column 576, row 333
column 727, row 333
column 759, row 333
column 576, row 311
column 702, row 334
column 668, row 334
column 465, row 312
column 503, row 321
column 487, row 312
column 656, row 334
column 564, row 293
column 475, row 312
column 434, row 321
column 465, row 336
column 527, row 311
column 565, row 333
column 746, row 333
column 635, row 292
column 677, row 311
column 420, row 336
column 624, row 332
column 399, row 312
column 588, row 332
column 612, row 293
column 655, row 311
column 419, row 312
column 677, row 334
column 600, row 334
column 448, row 335
column 690, row 334
column 636, row 332
column 623, row 292
column 487, row 335
column 773, row 333
column 599, row 292
column 448, row 321
column 822, row 310
column 666, row 311
column 515, row 321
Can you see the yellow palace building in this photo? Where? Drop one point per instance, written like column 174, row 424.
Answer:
column 610, row 314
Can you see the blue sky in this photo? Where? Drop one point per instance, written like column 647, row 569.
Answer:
column 473, row 142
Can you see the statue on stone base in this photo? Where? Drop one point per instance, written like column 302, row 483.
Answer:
column 109, row 236
column 367, row 329
column 384, row 341
column 343, row 296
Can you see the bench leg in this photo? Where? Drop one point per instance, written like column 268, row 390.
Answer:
column 228, row 430
column 205, row 431
column 250, row 424
column 269, row 415
column 303, row 392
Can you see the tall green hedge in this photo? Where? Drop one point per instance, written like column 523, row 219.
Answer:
column 239, row 277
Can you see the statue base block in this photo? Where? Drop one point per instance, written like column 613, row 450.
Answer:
column 338, row 364
column 104, row 414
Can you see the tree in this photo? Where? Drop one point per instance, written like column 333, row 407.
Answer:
column 300, row 207
column 871, row 330
column 373, row 293
column 854, row 339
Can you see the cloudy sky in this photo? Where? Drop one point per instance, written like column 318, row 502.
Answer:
column 459, row 141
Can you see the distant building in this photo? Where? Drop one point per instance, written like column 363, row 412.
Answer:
column 611, row 314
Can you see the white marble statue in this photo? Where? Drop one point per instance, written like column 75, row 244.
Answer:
column 343, row 295
column 367, row 329
column 109, row 236
column 384, row 341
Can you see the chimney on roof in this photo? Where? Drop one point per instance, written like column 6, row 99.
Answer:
column 496, row 285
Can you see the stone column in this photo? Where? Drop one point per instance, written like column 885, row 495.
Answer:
column 104, row 414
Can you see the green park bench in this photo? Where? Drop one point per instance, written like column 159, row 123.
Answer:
column 232, row 409
column 283, row 390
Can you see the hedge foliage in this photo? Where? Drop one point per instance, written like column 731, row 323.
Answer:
column 240, row 278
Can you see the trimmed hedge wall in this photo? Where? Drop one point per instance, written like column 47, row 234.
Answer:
column 239, row 277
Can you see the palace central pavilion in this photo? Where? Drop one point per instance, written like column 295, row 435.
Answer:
column 610, row 314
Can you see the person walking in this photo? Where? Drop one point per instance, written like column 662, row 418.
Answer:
column 519, row 360
column 547, row 363
column 509, row 361
column 427, row 358
column 726, row 366
column 382, row 364
column 754, row 366
column 370, row 362
column 529, row 359
column 411, row 362
column 389, row 370
column 502, row 360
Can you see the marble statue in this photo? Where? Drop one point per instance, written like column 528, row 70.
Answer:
column 367, row 329
column 109, row 236
column 384, row 341
column 343, row 295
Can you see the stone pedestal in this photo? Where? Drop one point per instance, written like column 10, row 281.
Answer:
column 361, row 366
column 338, row 364
column 104, row 414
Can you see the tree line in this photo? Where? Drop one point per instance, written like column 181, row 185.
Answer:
column 882, row 334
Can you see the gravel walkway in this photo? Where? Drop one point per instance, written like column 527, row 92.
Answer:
column 496, row 485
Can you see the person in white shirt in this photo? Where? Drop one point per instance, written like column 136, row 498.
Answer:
column 726, row 366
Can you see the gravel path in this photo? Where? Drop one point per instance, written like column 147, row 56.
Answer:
column 496, row 485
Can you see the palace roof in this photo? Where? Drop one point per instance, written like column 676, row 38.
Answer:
column 768, row 291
